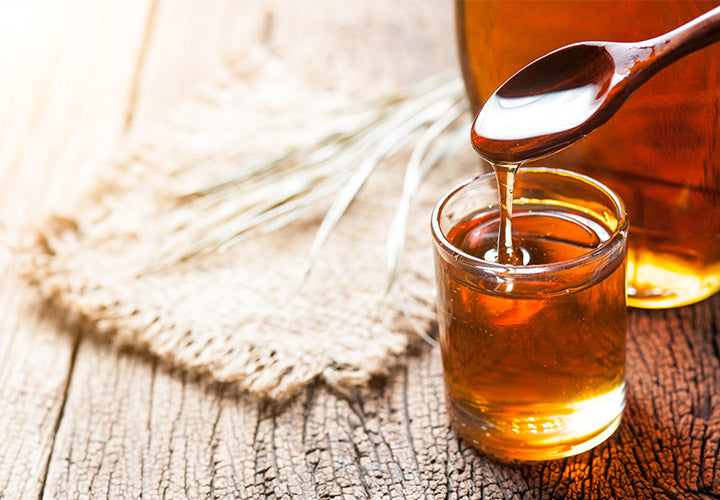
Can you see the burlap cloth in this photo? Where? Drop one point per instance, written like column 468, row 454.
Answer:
column 237, row 315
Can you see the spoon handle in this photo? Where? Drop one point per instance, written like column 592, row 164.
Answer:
column 697, row 34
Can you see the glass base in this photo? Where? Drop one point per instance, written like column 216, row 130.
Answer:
column 658, row 282
column 532, row 433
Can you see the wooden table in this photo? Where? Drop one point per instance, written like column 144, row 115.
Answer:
column 79, row 419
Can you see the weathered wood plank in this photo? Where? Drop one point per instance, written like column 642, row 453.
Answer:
column 36, row 364
column 134, row 431
column 131, row 428
column 67, row 68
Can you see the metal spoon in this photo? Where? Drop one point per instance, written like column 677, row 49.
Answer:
column 566, row 94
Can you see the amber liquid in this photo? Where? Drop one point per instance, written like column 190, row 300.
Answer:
column 533, row 377
column 660, row 153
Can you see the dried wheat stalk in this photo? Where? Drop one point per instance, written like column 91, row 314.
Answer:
column 267, row 195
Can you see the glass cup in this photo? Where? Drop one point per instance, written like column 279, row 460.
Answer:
column 533, row 355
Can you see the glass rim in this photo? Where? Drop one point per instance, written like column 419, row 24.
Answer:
column 601, row 251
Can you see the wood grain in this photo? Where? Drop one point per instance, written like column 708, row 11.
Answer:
column 127, row 431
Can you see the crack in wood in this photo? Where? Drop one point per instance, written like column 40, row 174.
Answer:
column 61, row 412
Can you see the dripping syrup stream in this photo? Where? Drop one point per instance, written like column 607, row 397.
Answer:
column 506, row 252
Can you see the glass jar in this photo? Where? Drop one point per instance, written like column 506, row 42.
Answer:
column 533, row 355
column 660, row 152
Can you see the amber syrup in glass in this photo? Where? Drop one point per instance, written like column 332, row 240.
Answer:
column 533, row 377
